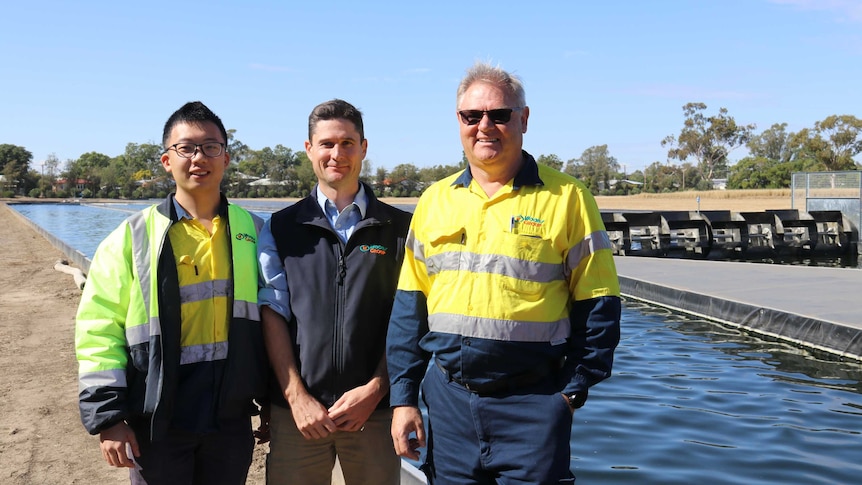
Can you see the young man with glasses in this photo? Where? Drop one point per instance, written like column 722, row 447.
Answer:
column 168, row 335
column 329, row 266
column 509, row 288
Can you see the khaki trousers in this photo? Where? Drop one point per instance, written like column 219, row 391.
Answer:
column 366, row 457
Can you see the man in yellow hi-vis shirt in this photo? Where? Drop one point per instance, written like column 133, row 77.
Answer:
column 508, row 285
column 168, row 334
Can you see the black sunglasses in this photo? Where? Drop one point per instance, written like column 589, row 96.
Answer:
column 499, row 116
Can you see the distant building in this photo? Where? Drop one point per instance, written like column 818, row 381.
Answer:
column 63, row 184
column 719, row 184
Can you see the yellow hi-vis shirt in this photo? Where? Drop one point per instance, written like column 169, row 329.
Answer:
column 203, row 268
column 507, row 267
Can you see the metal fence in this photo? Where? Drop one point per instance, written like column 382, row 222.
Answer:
column 820, row 191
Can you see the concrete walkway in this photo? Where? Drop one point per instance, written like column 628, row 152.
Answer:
column 812, row 306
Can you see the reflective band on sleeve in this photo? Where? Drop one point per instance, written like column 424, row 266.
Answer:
column 415, row 245
column 247, row 310
column 140, row 334
column 588, row 246
column 102, row 378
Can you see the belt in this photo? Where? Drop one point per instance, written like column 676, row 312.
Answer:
column 505, row 384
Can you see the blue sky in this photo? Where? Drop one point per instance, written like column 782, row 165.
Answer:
column 94, row 76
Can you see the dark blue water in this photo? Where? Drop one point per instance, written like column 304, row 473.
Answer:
column 696, row 402
column 690, row 402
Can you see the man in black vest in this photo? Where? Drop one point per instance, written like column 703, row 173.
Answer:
column 329, row 269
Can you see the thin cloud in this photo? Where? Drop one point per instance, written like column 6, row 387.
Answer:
column 846, row 10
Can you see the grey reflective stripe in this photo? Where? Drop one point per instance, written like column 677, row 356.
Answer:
column 141, row 255
column 246, row 309
column 203, row 353
column 205, row 290
column 416, row 246
column 498, row 264
column 102, row 378
column 590, row 244
column 497, row 329
column 140, row 334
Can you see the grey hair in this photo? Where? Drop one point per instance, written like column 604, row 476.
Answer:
column 495, row 75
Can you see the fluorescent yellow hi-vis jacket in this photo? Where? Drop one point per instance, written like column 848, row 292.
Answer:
column 497, row 287
column 128, row 329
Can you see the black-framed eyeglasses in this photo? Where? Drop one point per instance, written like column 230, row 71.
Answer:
column 499, row 116
column 188, row 150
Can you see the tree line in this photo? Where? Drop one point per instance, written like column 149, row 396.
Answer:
column 700, row 152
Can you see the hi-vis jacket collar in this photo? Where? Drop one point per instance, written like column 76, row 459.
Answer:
column 527, row 175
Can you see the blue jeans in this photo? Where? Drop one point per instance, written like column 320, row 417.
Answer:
column 518, row 437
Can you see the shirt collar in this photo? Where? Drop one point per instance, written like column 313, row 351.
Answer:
column 527, row 175
column 183, row 214
column 360, row 200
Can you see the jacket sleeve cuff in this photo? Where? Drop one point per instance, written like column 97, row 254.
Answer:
column 403, row 394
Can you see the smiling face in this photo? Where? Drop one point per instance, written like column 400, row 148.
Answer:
column 336, row 151
column 487, row 145
column 199, row 175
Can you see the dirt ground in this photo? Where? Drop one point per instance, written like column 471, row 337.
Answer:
column 732, row 200
column 41, row 437
column 42, row 441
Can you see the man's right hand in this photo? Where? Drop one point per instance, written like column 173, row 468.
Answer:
column 311, row 418
column 407, row 420
column 114, row 441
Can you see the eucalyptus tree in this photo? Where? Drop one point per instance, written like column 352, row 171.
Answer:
column 551, row 160
column 139, row 162
column 429, row 175
column 774, row 143
column 833, row 142
column 51, row 166
column 90, row 167
column 404, row 178
column 707, row 139
column 594, row 168
column 306, row 179
column 14, row 165
column 238, row 150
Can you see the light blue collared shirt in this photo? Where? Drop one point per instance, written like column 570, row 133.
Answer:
column 273, row 280
column 345, row 221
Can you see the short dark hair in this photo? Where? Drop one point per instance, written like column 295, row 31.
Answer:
column 335, row 109
column 193, row 112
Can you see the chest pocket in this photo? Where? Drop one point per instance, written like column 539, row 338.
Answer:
column 445, row 255
column 532, row 264
column 187, row 269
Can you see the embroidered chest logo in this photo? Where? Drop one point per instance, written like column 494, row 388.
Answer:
column 528, row 221
column 373, row 249
column 527, row 225
column 245, row 237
